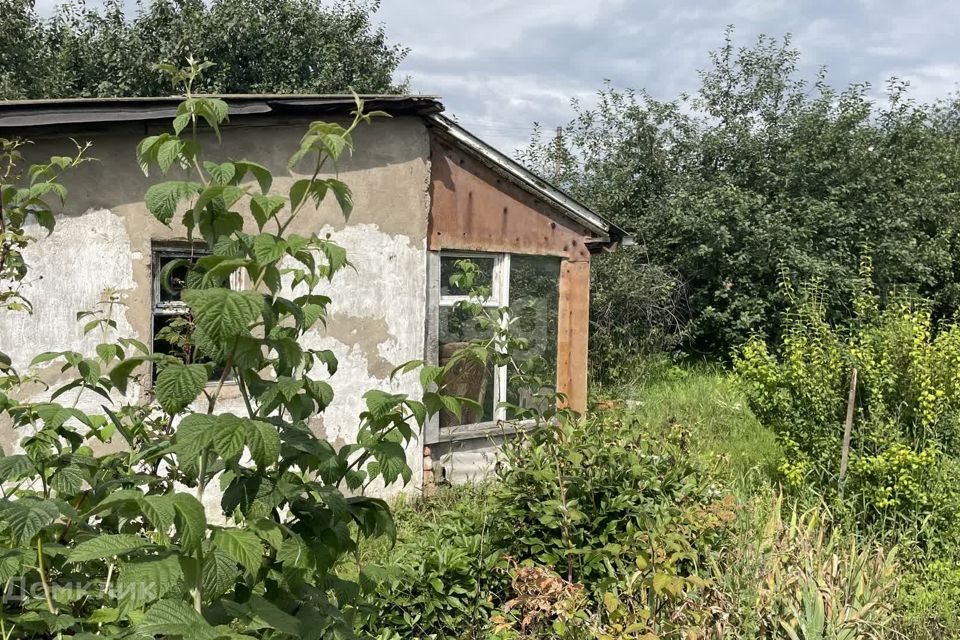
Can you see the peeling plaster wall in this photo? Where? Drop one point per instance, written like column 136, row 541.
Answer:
column 103, row 239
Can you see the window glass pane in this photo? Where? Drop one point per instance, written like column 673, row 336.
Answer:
column 534, row 305
column 470, row 378
column 172, row 325
column 177, row 280
column 479, row 272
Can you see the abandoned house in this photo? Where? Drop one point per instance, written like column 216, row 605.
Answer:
column 426, row 194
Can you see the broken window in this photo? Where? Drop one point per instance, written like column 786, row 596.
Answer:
column 473, row 287
column 172, row 323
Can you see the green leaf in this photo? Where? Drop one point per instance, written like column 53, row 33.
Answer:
column 261, row 173
column 241, row 545
column 168, row 153
column 263, row 442
column 194, row 434
column 219, row 574
column 265, row 207
column 102, row 616
column 46, row 356
column 175, row 618
column 393, row 462
column 120, row 374
column 222, row 313
column 336, row 257
column 218, row 226
column 222, row 174
column 178, row 385
column 13, row 468
column 55, row 415
column 180, row 122
column 298, row 192
column 248, row 353
column 265, row 613
column 108, row 352
column 25, row 518
column 67, row 480
column 190, row 520
column 159, row 511
column 268, row 248
column 162, row 199
column 105, row 546
column 344, row 196
column 229, row 436
column 147, row 579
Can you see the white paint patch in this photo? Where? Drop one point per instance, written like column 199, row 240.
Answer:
column 69, row 270
column 387, row 285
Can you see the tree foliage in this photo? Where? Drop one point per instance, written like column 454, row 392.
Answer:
column 261, row 46
column 757, row 172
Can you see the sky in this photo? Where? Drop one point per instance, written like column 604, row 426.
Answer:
column 501, row 65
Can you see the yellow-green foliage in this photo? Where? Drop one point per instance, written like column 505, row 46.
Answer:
column 907, row 403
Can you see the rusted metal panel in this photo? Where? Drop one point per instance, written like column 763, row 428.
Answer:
column 573, row 333
column 474, row 209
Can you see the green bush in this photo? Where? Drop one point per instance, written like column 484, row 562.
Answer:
column 626, row 513
column 443, row 576
column 905, row 434
column 929, row 600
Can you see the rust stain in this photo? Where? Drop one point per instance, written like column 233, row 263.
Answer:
column 473, row 209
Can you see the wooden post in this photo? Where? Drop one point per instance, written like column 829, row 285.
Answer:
column 573, row 328
column 847, row 431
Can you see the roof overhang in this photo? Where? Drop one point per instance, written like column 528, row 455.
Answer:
column 38, row 113
column 605, row 233
column 25, row 114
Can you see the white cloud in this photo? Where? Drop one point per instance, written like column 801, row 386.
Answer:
column 503, row 64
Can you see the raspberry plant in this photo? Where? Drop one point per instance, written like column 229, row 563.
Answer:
column 101, row 541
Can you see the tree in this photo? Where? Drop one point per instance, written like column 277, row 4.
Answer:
column 261, row 46
column 760, row 174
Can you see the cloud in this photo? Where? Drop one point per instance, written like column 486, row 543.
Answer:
column 501, row 65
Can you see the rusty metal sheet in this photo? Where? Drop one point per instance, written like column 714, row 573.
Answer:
column 475, row 209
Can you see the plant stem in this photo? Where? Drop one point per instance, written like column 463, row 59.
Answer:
column 106, row 585
column 43, row 577
column 201, row 476
column 212, row 403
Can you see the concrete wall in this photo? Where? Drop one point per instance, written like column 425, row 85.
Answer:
column 103, row 239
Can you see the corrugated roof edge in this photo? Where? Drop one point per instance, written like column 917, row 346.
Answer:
column 608, row 233
column 33, row 113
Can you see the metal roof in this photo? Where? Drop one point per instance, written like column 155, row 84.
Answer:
column 20, row 114
column 33, row 113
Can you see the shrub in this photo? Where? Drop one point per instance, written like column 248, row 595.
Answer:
column 443, row 577
column 115, row 540
column 929, row 599
column 907, row 404
column 629, row 516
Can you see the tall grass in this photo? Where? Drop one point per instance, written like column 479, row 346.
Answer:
column 706, row 401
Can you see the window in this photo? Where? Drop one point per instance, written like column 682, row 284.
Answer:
column 172, row 325
column 528, row 287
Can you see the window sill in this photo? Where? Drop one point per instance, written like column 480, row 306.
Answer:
column 483, row 430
